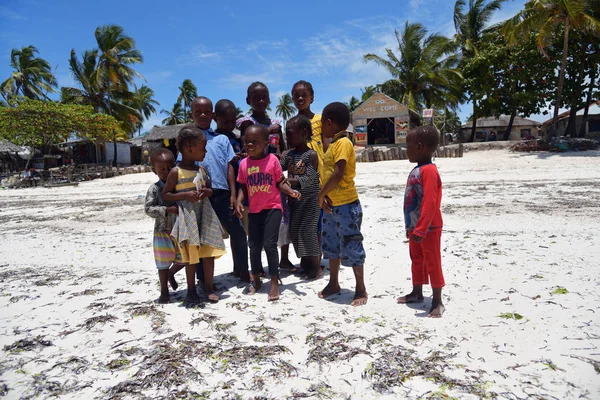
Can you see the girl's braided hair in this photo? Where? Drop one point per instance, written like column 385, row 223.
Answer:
column 189, row 136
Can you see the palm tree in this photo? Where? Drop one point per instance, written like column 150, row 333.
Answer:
column 285, row 109
column 32, row 76
column 544, row 18
column 144, row 103
column 424, row 71
column 239, row 113
column 353, row 103
column 367, row 92
column 187, row 93
column 175, row 117
column 470, row 25
column 116, row 52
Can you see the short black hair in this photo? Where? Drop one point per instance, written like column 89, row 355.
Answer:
column 338, row 113
column 263, row 129
column 255, row 85
column 301, row 122
column 159, row 152
column 200, row 98
column 306, row 84
column 223, row 106
column 189, row 136
column 428, row 135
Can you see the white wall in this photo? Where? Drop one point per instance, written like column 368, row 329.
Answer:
column 123, row 152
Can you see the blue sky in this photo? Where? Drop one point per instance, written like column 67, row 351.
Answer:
column 223, row 46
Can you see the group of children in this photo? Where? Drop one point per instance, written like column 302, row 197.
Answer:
column 222, row 182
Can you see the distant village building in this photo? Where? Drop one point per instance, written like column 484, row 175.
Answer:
column 381, row 120
column 85, row 151
column 592, row 126
column 10, row 159
column 494, row 128
column 161, row 136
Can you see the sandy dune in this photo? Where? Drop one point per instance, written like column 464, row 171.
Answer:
column 521, row 240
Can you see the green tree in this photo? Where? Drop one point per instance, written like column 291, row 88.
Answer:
column 544, row 18
column 175, row 117
column 353, row 103
column 367, row 92
column 239, row 113
column 32, row 76
column 114, row 74
column 143, row 101
column 470, row 24
column 424, row 70
column 285, row 109
column 187, row 93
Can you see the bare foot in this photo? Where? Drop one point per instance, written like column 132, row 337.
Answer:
column 254, row 287
column 286, row 265
column 213, row 297
column 164, row 298
column 329, row 290
column 172, row 281
column 273, row 293
column 192, row 298
column 360, row 299
column 410, row 298
column 314, row 275
column 436, row 311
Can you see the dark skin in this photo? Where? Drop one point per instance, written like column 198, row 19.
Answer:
column 226, row 125
column 302, row 99
column 419, row 152
column 161, row 166
column 297, row 140
column 329, row 129
column 190, row 154
column 256, row 142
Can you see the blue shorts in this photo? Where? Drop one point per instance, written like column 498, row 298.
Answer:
column 341, row 235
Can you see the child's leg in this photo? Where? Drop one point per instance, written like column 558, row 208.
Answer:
column 312, row 265
column 285, row 262
column 255, row 242
column 190, row 274
column 331, row 243
column 163, row 276
column 175, row 268
column 360, row 294
column 209, row 271
column 353, row 254
column 271, row 227
column 433, row 262
column 419, row 274
column 333, row 287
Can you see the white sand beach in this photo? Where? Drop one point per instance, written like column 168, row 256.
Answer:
column 521, row 240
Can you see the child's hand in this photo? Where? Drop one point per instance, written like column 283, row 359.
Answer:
column 205, row 193
column 192, row 196
column 324, row 203
column 416, row 238
column 232, row 201
column 295, row 194
column 172, row 210
column 239, row 209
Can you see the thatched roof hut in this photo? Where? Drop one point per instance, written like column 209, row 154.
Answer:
column 8, row 147
column 160, row 133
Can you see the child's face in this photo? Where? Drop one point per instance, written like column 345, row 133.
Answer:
column 244, row 126
column 197, row 151
column 226, row 121
column 295, row 137
column 328, row 128
column 202, row 113
column 255, row 141
column 162, row 165
column 259, row 99
column 413, row 148
column 302, row 97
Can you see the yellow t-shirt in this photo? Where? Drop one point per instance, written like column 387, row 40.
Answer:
column 340, row 148
column 316, row 143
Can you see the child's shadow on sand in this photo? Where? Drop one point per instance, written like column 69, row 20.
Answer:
column 424, row 307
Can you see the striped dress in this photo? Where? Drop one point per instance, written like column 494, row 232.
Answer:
column 197, row 230
column 304, row 213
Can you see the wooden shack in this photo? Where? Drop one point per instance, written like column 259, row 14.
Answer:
column 382, row 121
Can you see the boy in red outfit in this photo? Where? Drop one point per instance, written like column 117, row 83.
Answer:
column 423, row 218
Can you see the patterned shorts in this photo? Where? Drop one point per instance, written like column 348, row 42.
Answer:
column 166, row 251
column 341, row 235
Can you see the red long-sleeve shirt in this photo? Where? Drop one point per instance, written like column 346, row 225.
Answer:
column 422, row 200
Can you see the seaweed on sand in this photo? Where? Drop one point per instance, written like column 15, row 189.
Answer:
column 262, row 333
column 151, row 311
column 42, row 387
column 88, row 292
column 239, row 356
column 204, row 317
column 76, row 365
column 333, row 347
column 99, row 319
column 27, row 344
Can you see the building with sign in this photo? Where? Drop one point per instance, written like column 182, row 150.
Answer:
column 381, row 120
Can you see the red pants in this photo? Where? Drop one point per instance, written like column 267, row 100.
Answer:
column 427, row 260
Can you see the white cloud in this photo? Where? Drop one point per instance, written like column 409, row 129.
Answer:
column 158, row 76
column 197, row 55
column 153, row 120
column 415, row 5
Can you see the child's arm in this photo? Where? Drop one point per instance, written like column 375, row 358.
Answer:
column 206, row 191
column 428, row 204
column 239, row 205
column 168, row 194
column 231, row 183
column 311, row 175
column 285, row 188
column 336, row 178
column 151, row 207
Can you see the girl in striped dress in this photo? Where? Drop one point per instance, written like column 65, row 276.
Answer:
column 302, row 165
column 197, row 230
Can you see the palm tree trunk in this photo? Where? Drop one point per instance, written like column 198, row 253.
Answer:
column 588, row 100
column 474, row 128
column 561, row 79
column 575, row 99
column 513, row 114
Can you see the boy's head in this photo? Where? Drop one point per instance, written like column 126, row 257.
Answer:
column 421, row 143
column 225, row 115
column 202, row 112
column 256, row 140
column 298, row 131
column 303, row 95
column 191, row 143
column 162, row 160
column 335, row 118
column 258, row 97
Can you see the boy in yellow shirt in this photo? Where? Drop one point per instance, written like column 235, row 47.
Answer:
column 342, row 240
